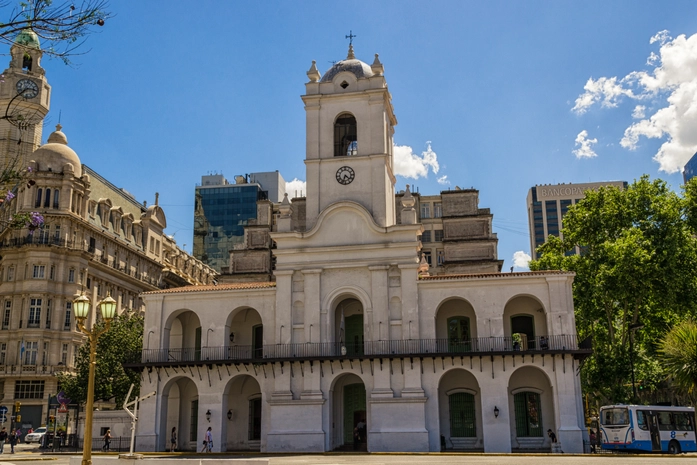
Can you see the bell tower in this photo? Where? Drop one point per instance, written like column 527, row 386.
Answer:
column 349, row 127
column 24, row 100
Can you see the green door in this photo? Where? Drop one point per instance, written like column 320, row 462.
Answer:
column 462, row 420
column 197, row 344
column 354, row 335
column 528, row 415
column 354, row 409
column 458, row 334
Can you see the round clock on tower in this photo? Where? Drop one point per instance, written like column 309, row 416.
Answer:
column 24, row 99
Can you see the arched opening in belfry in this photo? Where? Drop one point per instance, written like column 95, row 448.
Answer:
column 345, row 136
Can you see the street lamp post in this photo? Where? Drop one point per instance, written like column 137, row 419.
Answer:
column 81, row 307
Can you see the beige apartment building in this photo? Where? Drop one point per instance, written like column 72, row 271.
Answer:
column 96, row 238
column 548, row 203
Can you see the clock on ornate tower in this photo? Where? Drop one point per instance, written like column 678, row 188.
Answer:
column 345, row 175
column 27, row 88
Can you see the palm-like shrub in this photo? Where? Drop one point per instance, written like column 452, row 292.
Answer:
column 678, row 351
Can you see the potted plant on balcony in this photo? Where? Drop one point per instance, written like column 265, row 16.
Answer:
column 516, row 341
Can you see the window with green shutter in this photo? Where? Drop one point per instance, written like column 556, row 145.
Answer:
column 462, row 419
column 528, row 415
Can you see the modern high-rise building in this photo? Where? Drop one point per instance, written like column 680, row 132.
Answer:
column 690, row 169
column 548, row 203
column 223, row 209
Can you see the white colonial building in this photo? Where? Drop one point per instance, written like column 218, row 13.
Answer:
column 353, row 344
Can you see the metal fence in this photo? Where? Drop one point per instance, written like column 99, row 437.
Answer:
column 408, row 347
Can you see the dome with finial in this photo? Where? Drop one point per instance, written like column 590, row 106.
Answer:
column 350, row 64
column 28, row 38
column 55, row 154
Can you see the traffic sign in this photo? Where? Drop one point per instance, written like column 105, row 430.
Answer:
column 3, row 418
column 3, row 410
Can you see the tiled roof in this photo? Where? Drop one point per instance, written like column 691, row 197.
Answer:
column 445, row 277
column 209, row 288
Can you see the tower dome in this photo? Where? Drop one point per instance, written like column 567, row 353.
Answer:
column 28, row 38
column 55, row 154
column 351, row 64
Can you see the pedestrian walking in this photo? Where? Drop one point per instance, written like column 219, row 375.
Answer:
column 173, row 440
column 107, row 441
column 208, row 441
column 13, row 441
column 593, row 439
column 3, row 438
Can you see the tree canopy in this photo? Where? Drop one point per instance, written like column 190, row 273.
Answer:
column 121, row 343
column 636, row 277
column 678, row 351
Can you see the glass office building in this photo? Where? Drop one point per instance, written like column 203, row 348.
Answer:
column 222, row 210
column 690, row 169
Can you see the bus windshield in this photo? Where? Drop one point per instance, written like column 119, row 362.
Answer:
column 614, row 417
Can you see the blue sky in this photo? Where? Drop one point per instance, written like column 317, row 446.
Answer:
column 170, row 91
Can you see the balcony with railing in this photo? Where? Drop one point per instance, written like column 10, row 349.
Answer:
column 560, row 344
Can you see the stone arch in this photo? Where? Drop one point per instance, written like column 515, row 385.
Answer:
column 456, row 325
column 242, row 409
column 244, row 330
column 345, row 135
column 460, row 410
column 348, row 406
column 179, row 409
column 526, row 315
column 182, row 335
column 531, row 403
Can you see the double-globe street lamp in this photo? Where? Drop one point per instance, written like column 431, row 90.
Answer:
column 81, row 307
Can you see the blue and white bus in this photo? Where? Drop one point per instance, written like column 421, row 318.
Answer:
column 648, row 428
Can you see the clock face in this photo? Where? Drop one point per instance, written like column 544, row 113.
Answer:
column 345, row 175
column 27, row 88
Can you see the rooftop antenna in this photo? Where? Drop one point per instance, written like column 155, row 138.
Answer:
column 60, row 112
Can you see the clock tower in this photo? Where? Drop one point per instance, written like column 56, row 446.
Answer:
column 349, row 127
column 24, row 100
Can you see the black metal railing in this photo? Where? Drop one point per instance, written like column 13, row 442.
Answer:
column 408, row 347
column 71, row 443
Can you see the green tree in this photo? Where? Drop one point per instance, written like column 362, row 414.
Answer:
column 636, row 277
column 121, row 343
column 678, row 351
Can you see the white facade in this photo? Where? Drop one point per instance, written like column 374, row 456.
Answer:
column 351, row 334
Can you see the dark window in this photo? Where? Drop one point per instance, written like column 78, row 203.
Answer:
column 29, row 389
column 426, row 236
column 56, row 198
column 47, row 200
column 345, row 134
column 193, row 424
column 438, row 235
column 37, row 204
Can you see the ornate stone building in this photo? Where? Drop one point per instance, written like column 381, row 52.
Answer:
column 352, row 344
column 96, row 237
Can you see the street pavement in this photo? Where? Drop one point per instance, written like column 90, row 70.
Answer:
column 28, row 453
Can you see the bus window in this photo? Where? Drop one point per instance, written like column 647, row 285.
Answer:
column 683, row 421
column 641, row 420
column 664, row 423
column 615, row 417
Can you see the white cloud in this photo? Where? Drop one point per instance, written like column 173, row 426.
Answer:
column 639, row 112
column 296, row 188
column 521, row 259
column 584, row 146
column 443, row 180
column 410, row 165
column 671, row 83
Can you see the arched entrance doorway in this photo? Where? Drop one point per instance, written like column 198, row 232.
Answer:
column 532, row 407
column 183, row 337
column 459, row 408
column 242, row 405
column 349, row 414
column 245, row 334
column 179, row 410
